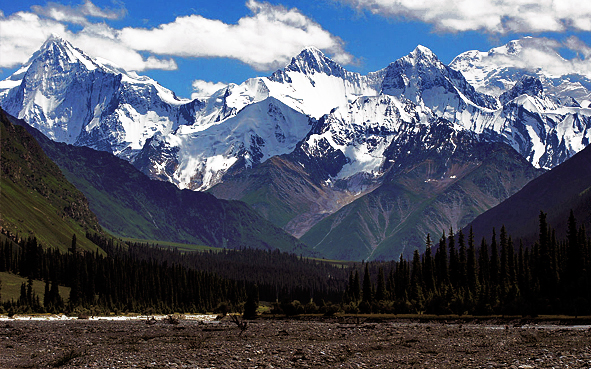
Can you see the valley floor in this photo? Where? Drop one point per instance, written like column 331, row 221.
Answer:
column 332, row 343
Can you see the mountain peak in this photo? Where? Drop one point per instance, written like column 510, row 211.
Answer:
column 60, row 51
column 55, row 38
column 311, row 60
column 423, row 53
column 527, row 85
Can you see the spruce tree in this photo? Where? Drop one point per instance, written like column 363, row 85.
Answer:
column 381, row 293
column 494, row 260
column 367, row 286
column 416, row 288
column 484, row 264
column 462, row 260
column 504, row 279
column 356, row 287
column 453, row 259
column 441, row 263
column 46, row 295
column 471, row 266
column 428, row 266
column 573, row 273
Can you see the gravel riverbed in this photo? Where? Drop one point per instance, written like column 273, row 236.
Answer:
column 269, row 343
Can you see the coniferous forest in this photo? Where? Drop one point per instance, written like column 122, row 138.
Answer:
column 456, row 275
column 495, row 276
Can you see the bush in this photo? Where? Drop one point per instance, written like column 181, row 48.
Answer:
column 292, row 308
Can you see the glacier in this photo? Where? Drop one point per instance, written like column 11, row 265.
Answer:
column 313, row 103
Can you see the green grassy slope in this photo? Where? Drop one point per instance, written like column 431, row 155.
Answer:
column 35, row 198
column 129, row 204
column 11, row 287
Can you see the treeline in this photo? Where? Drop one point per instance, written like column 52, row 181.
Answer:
column 278, row 275
column 114, row 282
column 498, row 277
column 134, row 277
column 454, row 276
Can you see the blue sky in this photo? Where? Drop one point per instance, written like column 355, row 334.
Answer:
column 187, row 45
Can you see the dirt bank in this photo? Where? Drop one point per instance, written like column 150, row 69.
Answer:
column 291, row 344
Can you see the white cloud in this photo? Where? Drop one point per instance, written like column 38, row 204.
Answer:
column 78, row 14
column 266, row 39
column 544, row 54
column 100, row 40
column 203, row 89
column 494, row 16
column 23, row 33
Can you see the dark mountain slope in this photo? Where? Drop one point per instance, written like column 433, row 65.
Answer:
column 566, row 187
column 129, row 204
column 36, row 199
column 447, row 185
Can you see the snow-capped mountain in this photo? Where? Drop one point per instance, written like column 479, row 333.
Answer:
column 421, row 87
column 337, row 133
column 499, row 69
column 197, row 158
column 76, row 99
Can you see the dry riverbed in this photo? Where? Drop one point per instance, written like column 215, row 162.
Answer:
column 269, row 343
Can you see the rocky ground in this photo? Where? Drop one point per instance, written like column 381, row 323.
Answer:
column 267, row 343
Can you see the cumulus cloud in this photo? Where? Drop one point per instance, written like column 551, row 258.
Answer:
column 494, row 16
column 543, row 53
column 22, row 33
column 265, row 39
column 203, row 89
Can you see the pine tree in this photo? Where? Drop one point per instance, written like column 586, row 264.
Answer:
column 30, row 297
column 471, row 266
column 428, row 266
column 494, row 260
column 504, row 279
column 573, row 273
column 356, row 287
column 441, row 265
column 416, row 291
column 484, row 264
column 46, row 295
column 453, row 259
column 381, row 287
column 367, row 286
column 462, row 260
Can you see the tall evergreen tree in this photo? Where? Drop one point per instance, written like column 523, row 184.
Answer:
column 471, row 265
column 494, row 259
column 356, row 287
column 441, row 263
column 381, row 294
column 504, row 279
column 484, row 264
column 428, row 266
column 462, row 260
column 367, row 286
column 416, row 280
column 453, row 259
